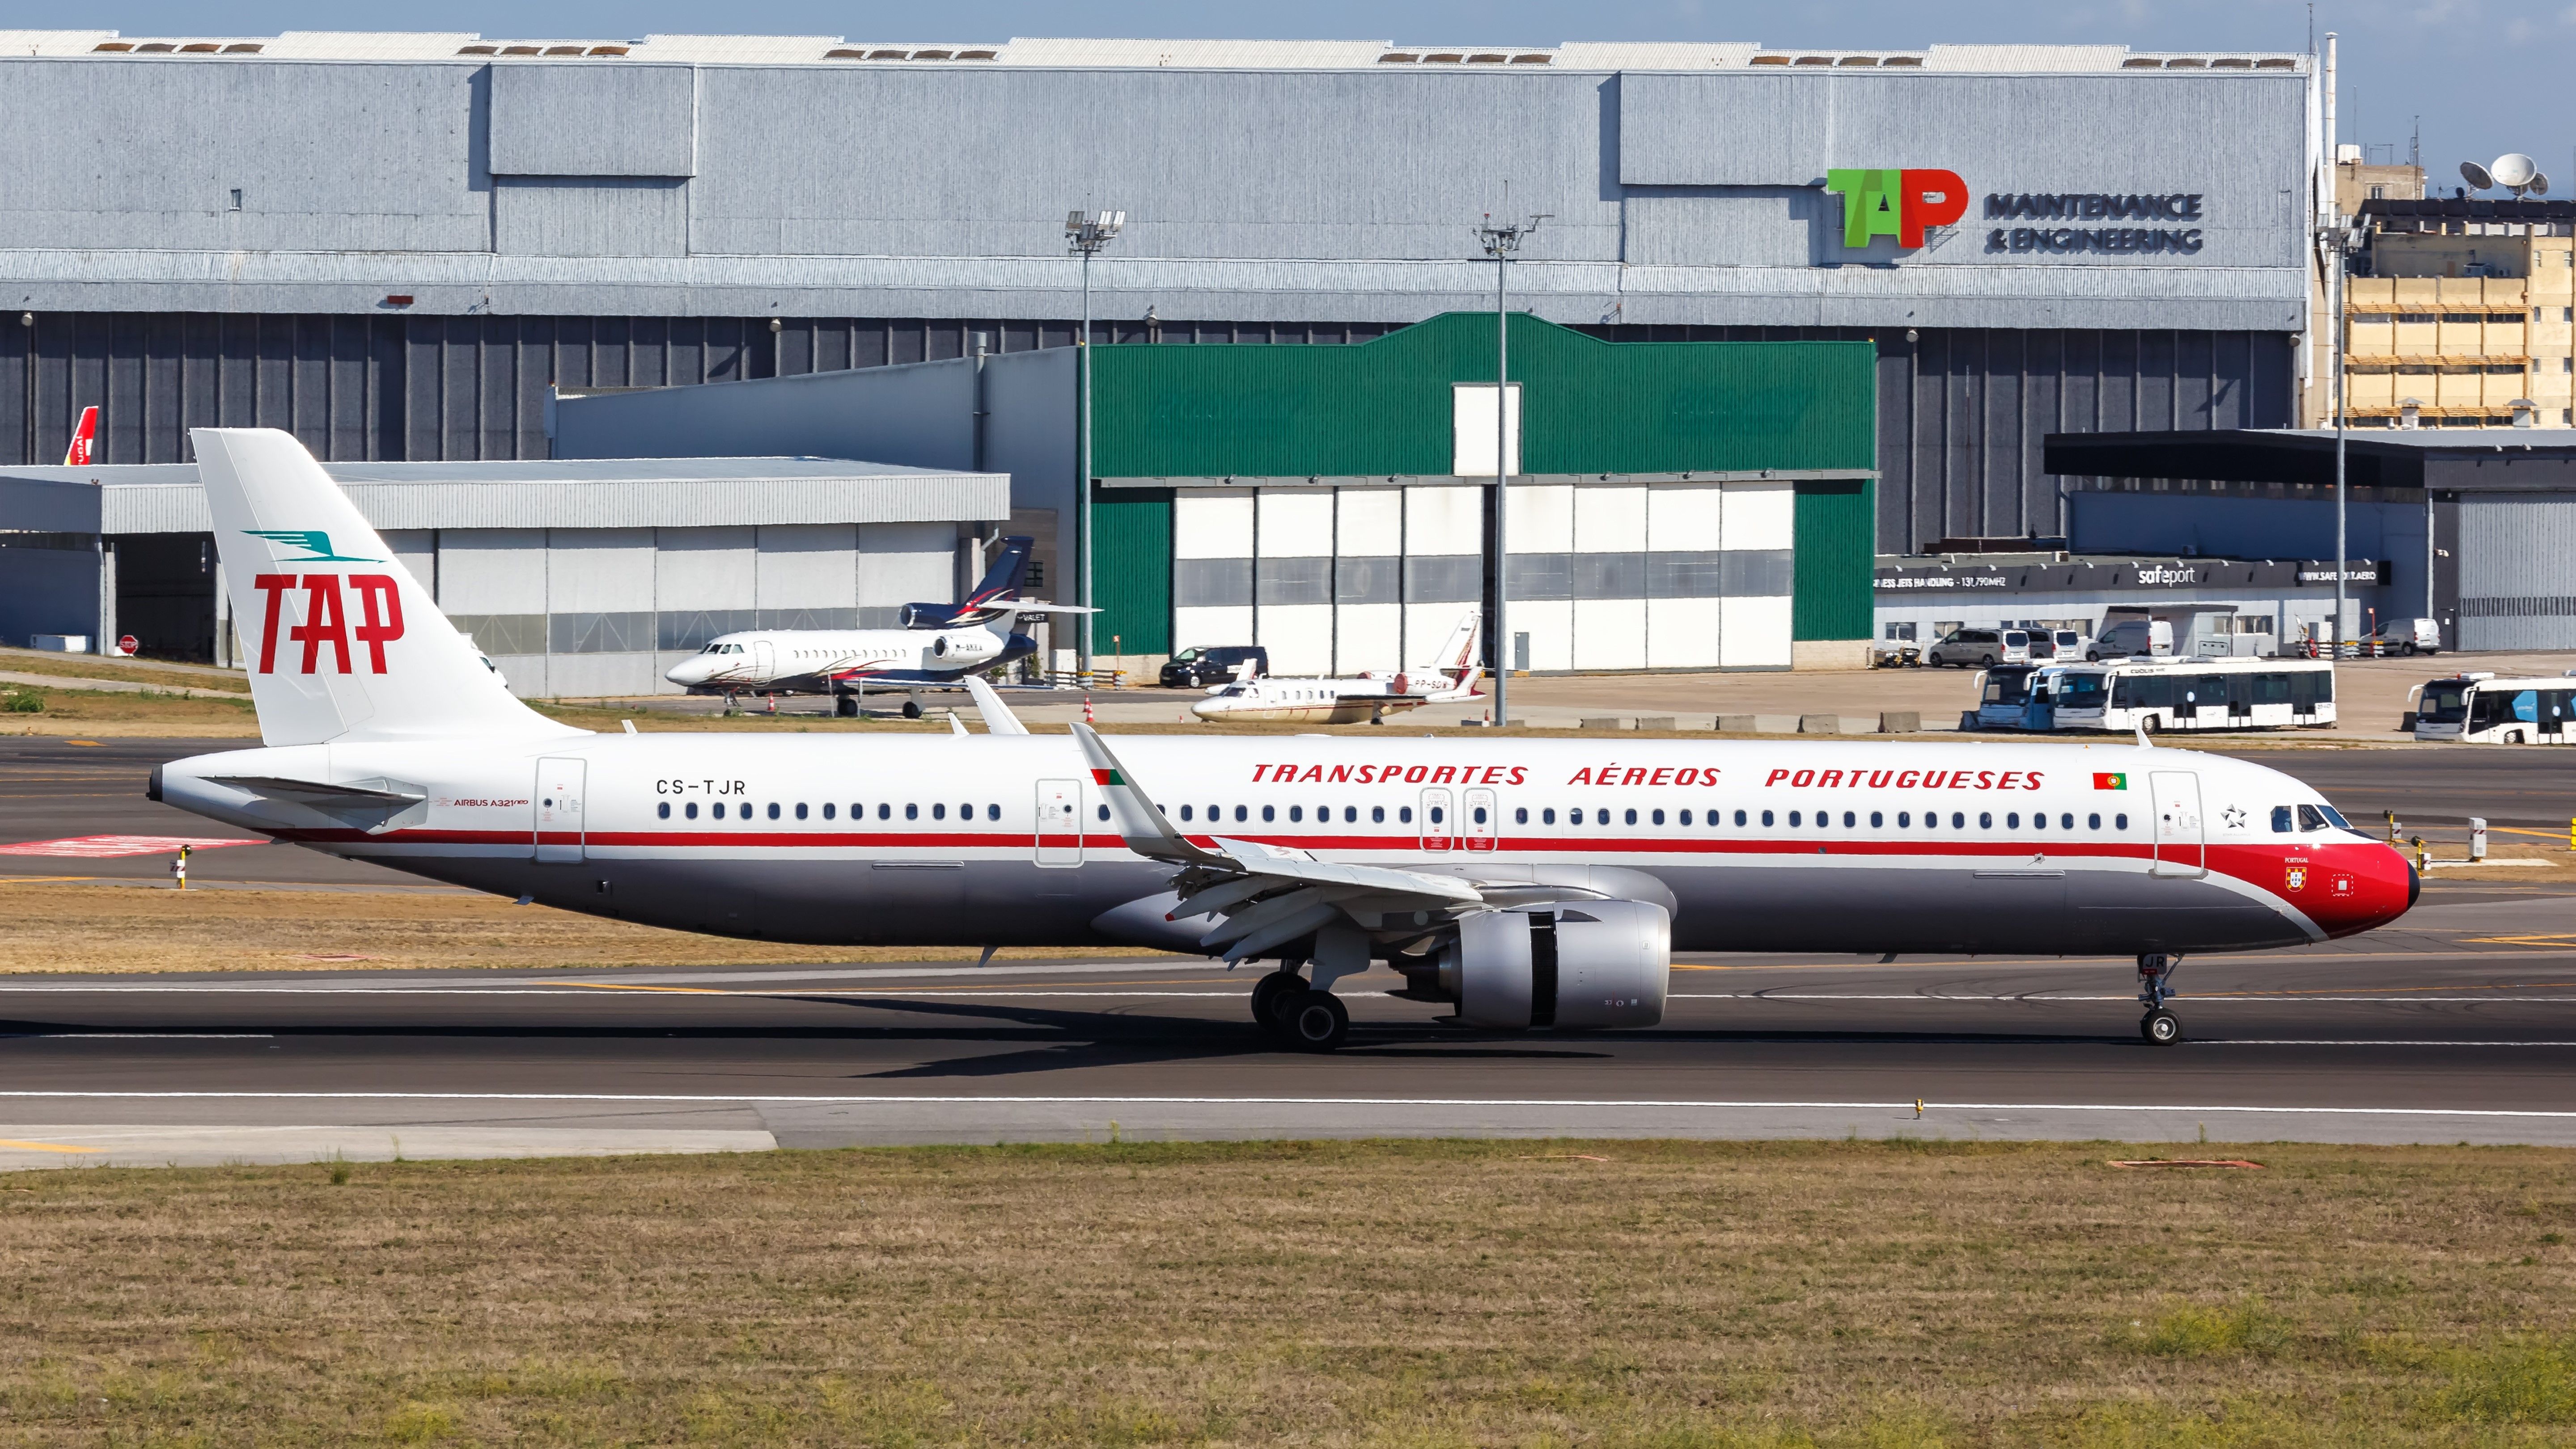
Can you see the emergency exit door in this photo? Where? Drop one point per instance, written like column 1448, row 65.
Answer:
column 560, row 828
column 1059, row 833
column 1439, row 825
column 1483, row 823
column 2179, row 841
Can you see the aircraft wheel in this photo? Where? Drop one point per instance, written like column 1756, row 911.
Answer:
column 912, row 709
column 1266, row 995
column 846, row 706
column 1314, row 1021
column 2161, row 1027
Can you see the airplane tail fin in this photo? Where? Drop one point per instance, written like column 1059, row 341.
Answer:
column 84, row 439
column 344, row 643
column 1458, row 660
column 1002, row 581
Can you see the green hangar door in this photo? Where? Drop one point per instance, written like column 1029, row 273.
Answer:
column 1335, row 504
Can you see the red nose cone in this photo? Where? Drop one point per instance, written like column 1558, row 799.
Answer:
column 2349, row 888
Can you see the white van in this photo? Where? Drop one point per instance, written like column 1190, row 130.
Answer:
column 2407, row 636
column 2131, row 639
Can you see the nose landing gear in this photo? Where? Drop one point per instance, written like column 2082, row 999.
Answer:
column 2155, row 977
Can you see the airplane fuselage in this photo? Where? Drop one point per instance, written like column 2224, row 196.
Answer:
column 996, row 840
column 829, row 661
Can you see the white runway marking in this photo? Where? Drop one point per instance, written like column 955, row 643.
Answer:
column 714, row 1100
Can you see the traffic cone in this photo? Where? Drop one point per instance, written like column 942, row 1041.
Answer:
column 1086, row 709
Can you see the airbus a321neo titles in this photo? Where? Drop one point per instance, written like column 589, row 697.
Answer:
column 1522, row 884
column 1289, row 699
column 939, row 644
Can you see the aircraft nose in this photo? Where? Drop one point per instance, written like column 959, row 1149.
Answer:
column 688, row 671
column 2365, row 887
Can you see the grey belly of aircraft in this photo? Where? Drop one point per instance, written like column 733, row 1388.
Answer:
column 1719, row 907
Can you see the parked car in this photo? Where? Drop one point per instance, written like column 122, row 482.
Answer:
column 1981, row 648
column 2407, row 636
column 1199, row 668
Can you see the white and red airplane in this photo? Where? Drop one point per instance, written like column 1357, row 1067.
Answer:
column 1292, row 699
column 84, row 439
column 1528, row 884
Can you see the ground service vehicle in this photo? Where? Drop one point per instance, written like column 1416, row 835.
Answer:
column 1523, row 884
column 2125, row 695
column 2480, row 709
column 1199, row 668
column 2132, row 639
column 2406, row 636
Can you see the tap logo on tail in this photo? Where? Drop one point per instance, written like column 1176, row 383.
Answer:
column 315, row 543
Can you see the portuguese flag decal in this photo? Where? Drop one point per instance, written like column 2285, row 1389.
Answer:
column 2110, row 782
column 1110, row 777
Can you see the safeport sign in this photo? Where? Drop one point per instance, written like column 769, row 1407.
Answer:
column 1897, row 203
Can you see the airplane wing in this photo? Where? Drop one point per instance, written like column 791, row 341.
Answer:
column 1269, row 895
column 998, row 719
column 1022, row 606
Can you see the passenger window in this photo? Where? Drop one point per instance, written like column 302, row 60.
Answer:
column 992, row 812
column 1766, row 817
column 690, row 810
column 1958, row 820
column 1377, row 815
column 912, row 812
column 2280, row 820
column 2013, row 821
column 663, row 810
column 1438, row 815
column 827, row 810
column 1480, row 814
column 886, row 812
column 1351, row 814
column 1904, row 819
column 1547, row 817
column 1269, row 813
column 1296, row 814
column 1739, row 818
column 1185, row 812
column 716, row 810
column 2093, row 822
column 1632, row 817
column 1985, row 820
column 1876, row 820
column 773, row 809
column 1104, row 813
column 1686, row 817
column 1793, row 819
column 938, row 812
column 2120, row 821
column 2310, row 818
column 1404, row 814
column 1849, row 820
column 800, row 809
column 1521, row 816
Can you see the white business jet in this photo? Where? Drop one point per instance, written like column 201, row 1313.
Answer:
column 1286, row 699
column 1522, row 884
column 938, row 644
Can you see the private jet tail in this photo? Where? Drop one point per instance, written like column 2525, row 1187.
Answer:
column 84, row 439
column 344, row 644
column 1457, row 660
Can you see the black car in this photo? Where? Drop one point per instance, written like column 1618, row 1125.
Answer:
column 1199, row 668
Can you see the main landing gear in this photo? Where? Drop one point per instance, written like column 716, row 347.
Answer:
column 2155, row 977
column 1310, row 1020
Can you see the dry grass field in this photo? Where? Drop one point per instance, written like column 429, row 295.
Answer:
column 1667, row 1294
column 57, row 927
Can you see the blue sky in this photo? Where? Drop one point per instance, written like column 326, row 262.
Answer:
column 2485, row 77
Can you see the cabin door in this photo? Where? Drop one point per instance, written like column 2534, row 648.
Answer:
column 2179, row 847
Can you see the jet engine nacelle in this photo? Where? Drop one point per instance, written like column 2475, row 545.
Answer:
column 1572, row 965
column 925, row 616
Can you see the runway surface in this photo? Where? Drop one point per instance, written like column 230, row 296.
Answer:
column 2457, row 1025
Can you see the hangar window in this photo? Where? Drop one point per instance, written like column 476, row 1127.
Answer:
column 1392, row 57
column 690, row 810
column 663, row 810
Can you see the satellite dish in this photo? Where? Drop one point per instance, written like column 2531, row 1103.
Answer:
column 2539, row 184
column 2476, row 175
column 2513, row 170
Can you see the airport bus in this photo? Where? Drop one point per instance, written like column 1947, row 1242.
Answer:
column 2123, row 695
column 2481, row 709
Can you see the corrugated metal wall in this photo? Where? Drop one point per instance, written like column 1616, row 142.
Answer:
column 1832, row 594
column 393, row 387
column 1962, row 412
column 2515, row 590
column 1132, row 572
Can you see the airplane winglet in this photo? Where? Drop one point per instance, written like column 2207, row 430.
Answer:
column 2143, row 742
column 1139, row 823
column 998, row 719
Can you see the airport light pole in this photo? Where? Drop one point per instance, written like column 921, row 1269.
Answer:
column 1087, row 232
column 2334, row 233
column 1500, row 242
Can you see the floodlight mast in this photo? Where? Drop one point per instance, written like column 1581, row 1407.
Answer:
column 1086, row 232
column 1500, row 242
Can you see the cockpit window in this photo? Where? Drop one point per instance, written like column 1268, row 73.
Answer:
column 2320, row 817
